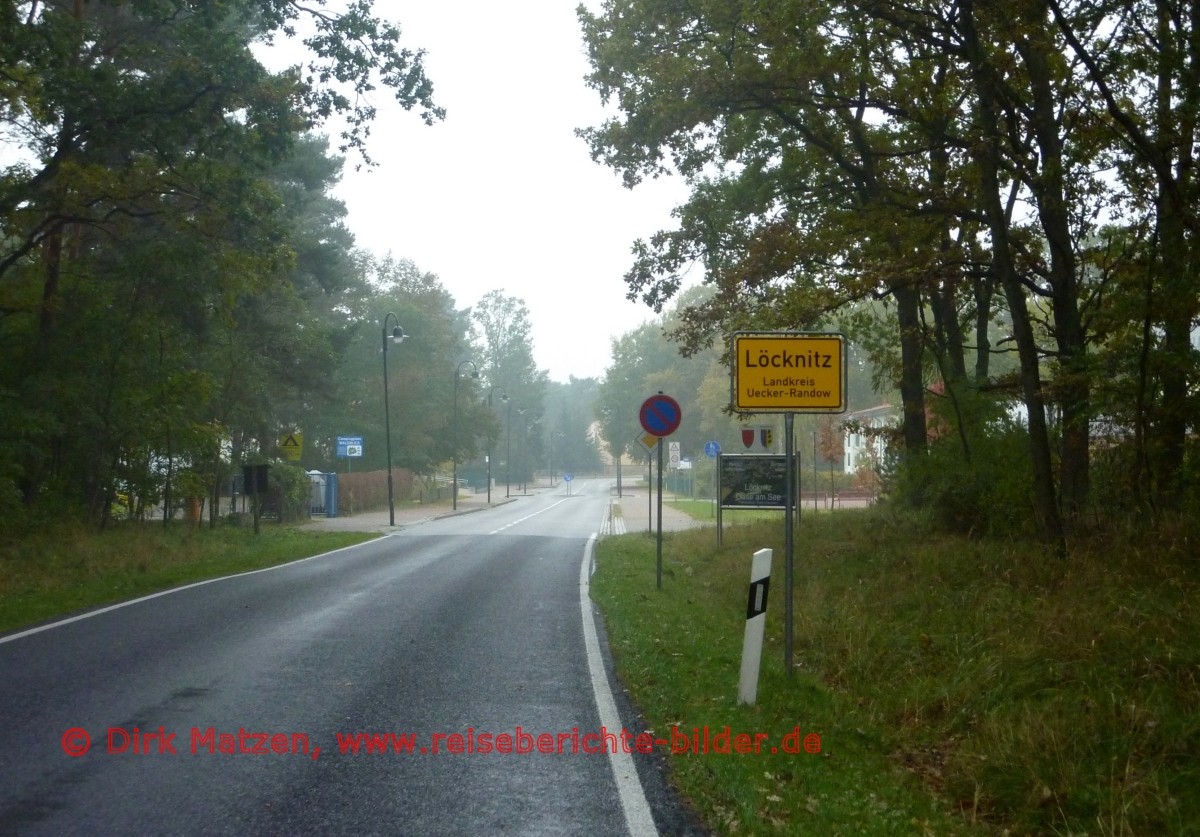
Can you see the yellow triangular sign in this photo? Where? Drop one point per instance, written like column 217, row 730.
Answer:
column 292, row 445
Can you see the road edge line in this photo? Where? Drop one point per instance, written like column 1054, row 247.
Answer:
column 638, row 819
column 117, row 605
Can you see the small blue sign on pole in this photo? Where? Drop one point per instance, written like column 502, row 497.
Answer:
column 349, row 447
column 712, row 450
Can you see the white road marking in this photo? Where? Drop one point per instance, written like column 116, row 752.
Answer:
column 617, row 521
column 638, row 819
column 526, row 517
column 90, row 614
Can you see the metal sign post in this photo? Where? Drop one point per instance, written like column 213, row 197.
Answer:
column 650, row 492
column 648, row 442
column 660, row 416
column 789, row 606
column 658, row 552
column 788, row 372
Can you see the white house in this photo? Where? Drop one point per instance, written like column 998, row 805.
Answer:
column 862, row 449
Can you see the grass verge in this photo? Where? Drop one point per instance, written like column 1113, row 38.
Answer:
column 56, row 572
column 957, row 687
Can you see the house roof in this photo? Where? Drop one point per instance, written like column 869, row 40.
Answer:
column 881, row 411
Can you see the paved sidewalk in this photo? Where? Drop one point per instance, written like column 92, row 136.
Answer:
column 628, row 513
column 631, row 513
column 408, row 514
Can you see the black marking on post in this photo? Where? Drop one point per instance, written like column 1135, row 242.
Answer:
column 757, row 602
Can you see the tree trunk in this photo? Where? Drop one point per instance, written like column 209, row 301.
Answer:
column 985, row 289
column 912, row 385
column 1072, row 384
column 1176, row 118
column 988, row 157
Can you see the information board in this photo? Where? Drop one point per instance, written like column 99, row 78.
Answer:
column 753, row 481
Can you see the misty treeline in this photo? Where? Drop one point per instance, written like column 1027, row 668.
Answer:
column 177, row 286
column 998, row 198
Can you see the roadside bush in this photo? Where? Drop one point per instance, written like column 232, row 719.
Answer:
column 983, row 492
column 1124, row 492
column 294, row 491
column 10, row 504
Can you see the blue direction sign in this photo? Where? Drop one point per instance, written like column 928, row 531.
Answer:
column 568, row 477
column 660, row 415
column 349, row 446
column 712, row 450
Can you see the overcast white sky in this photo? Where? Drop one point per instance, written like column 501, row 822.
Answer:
column 502, row 194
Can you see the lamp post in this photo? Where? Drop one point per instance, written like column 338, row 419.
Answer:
column 553, row 436
column 397, row 337
column 524, row 447
column 508, row 449
column 503, row 397
column 454, row 433
column 525, row 457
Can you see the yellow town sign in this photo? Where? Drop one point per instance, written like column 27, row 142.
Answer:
column 789, row 372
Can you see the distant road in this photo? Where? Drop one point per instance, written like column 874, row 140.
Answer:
column 202, row 711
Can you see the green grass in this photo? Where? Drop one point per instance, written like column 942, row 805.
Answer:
column 957, row 686
column 56, row 572
column 707, row 511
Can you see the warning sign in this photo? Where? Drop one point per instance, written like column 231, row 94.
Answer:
column 292, row 445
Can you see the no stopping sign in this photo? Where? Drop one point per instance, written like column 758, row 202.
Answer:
column 660, row 415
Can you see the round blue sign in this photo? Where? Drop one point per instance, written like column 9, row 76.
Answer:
column 712, row 450
column 567, row 477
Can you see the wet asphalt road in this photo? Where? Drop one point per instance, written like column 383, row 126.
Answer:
column 235, row 706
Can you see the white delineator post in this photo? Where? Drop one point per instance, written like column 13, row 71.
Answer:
column 756, row 622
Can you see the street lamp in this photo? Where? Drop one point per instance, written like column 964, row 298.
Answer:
column 503, row 397
column 508, row 449
column 553, row 436
column 397, row 337
column 525, row 455
column 454, row 433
